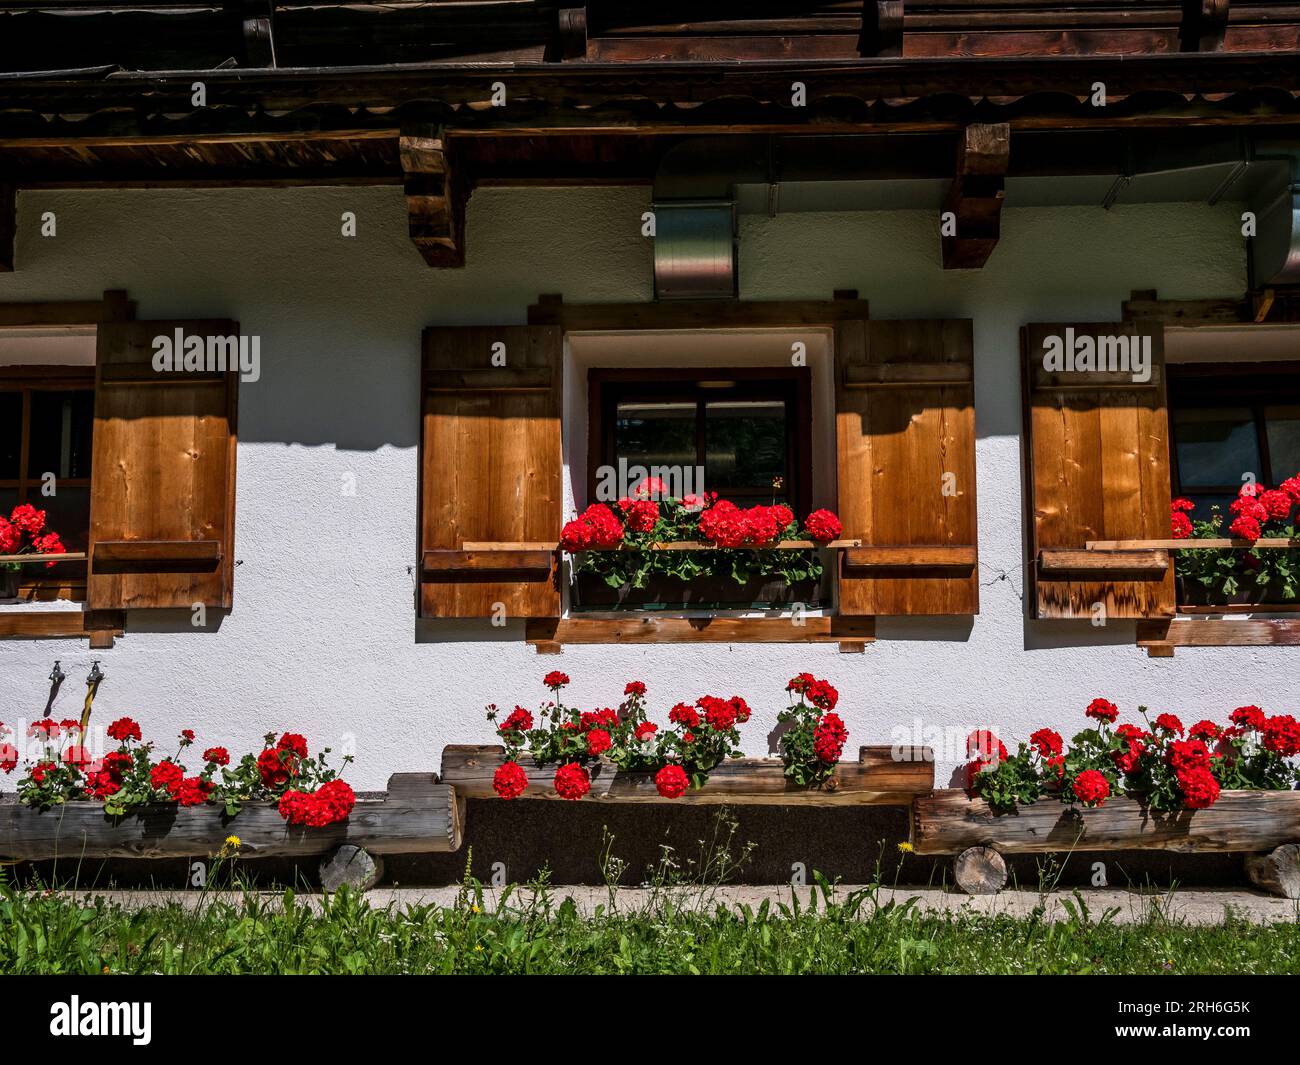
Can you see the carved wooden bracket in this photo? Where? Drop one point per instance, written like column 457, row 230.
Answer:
column 1203, row 26
column 882, row 28
column 257, row 26
column 436, row 194
column 571, row 35
column 972, row 210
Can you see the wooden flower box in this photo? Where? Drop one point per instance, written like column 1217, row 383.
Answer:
column 881, row 775
column 416, row 815
column 591, row 593
column 1263, row 824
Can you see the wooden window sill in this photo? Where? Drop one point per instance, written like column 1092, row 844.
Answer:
column 99, row 627
column 1161, row 637
column 549, row 635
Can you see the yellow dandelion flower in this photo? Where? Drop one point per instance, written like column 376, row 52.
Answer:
column 906, row 848
column 478, row 946
column 475, row 909
column 232, row 841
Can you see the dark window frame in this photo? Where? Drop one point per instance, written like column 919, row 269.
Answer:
column 66, row 577
column 793, row 384
column 1254, row 385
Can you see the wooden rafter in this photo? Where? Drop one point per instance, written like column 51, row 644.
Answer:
column 974, row 201
column 436, row 194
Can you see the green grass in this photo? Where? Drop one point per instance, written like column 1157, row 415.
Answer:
column 817, row 931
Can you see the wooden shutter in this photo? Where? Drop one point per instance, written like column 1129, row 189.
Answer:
column 1097, row 468
column 162, row 498
column 906, row 446
column 490, row 496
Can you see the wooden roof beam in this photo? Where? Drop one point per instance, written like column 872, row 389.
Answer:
column 972, row 210
column 436, row 195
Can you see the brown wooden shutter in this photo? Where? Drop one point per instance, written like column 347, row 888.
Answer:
column 1096, row 468
column 906, row 445
column 162, row 498
column 490, row 496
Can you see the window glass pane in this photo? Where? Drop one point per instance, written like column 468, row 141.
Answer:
column 60, row 433
column 1216, row 445
column 67, row 513
column 11, row 435
column 1283, row 424
column 746, row 442
column 655, row 434
column 8, row 500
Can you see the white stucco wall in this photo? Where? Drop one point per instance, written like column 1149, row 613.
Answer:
column 323, row 637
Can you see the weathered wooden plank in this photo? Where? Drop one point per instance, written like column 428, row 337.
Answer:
column 451, row 562
column 410, row 822
column 1056, row 560
column 203, row 554
column 1211, row 632
column 648, row 629
column 897, row 374
column 504, row 378
column 1268, row 543
column 882, row 775
column 60, row 624
column 924, row 556
column 949, row 822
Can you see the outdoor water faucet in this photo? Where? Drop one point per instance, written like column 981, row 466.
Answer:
column 95, row 675
column 57, row 675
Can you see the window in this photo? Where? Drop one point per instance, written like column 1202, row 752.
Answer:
column 748, row 430
column 1226, row 422
column 46, row 422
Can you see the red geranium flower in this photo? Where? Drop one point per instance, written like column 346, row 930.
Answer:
column 1181, row 525
column 719, row 713
column 1169, row 723
column 1199, row 788
column 275, row 767
column 1248, row 717
column 598, row 741
column 8, row 757
column 27, row 518
column 1204, row 731
column 645, row 730
column 193, row 791
column 1246, row 528
column 291, row 741
column 683, row 714
column 46, row 728
column 1282, row 735
column 640, row 514
column 1091, row 788
column 166, row 776
column 510, row 780
column 672, row 781
column 124, row 729
column 555, row 679
column 77, row 756
column 520, row 720
column 1048, row 742
column 1277, row 503
column 829, row 737
column 572, row 781
column 823, row 526
column 634, row 687
column 1103, row 710
column 217, row 756
column 1188, row 754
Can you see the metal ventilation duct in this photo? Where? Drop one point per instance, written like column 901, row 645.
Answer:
column 695, row 249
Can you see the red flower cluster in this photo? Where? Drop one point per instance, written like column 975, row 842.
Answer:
column 726, row 525
column 986, row 752
column 1090, row 788
column 510, row 780
column 829, row 737
column 217, row 756
column 823, row 526
column 819, row 693
column 520, row 720
column 327, row 805
column 572, row 781
column 634, row 687
column 671, row 782
column 25, row 521
column 1103, row 710
column 1182, row 524
column 596, row 528
column 124, row 729
column 276, row 765
column 639, row 514
column 167, row 776
column 555, row 679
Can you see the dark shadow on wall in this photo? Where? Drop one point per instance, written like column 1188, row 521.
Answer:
column 1078, row 632
column 925, row 629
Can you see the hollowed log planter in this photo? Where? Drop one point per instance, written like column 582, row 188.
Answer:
column 590, row 592
column 882, row 775
column 416, row 816
column 1264, row 824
